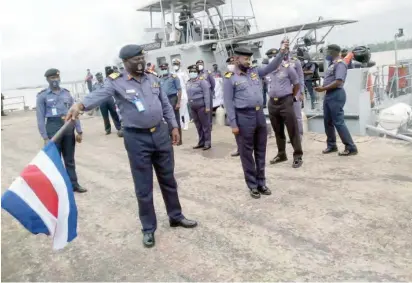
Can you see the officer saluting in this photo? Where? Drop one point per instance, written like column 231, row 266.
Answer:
column 244, row 106
column 170, row 85
column 334, row 102
column 142, row 105
column 52, row 105
column 281, row 111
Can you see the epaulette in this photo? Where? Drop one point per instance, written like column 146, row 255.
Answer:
column 339, row 60
column 174, row 76
column 201, row 78
column 228, row 75
column 43, row 90
column 114, row 76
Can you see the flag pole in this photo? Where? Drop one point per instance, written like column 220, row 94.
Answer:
column 61, row 131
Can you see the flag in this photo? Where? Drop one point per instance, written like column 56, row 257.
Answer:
column 42, row 198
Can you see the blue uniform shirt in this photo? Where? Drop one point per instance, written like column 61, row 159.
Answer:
column 309, row 67
column 243, row 90
column 50, row 104
column 170, row 84
column 282, row 80
column 199, row 88
column 127, row 92
column 295, row 64
column 336, row 71
column 97, row 86
column 207, row 75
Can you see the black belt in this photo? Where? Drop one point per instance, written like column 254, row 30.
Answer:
column 256, row 108
column 174, row 94
column 279, row 99
column 196, row 99
column 140, row 130
column 53, row 119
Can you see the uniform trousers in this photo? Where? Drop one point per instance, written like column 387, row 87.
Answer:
column 281, row 113
column 173, row 101
column 309, row 87
column 201, row 120
column 251, row 141
column 109, row 107
column 65, row 145
column 148, row 149
column 333, row 117
column 297, row 107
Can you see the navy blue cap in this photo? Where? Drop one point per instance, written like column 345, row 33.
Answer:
column 99, row 74
column 131, row 50
column 199, row 62
column 192, row 67
column 334, row 47
column 272, row 52
column 243, row 51
column 164, row 65
column 51, row 72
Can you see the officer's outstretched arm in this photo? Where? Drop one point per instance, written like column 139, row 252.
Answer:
column 206, row 93
column 168, row 112
column 41, row 115
column 95, row 98
column 272, row 66
column 228, row 96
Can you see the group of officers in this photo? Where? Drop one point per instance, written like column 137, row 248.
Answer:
column 148, row 106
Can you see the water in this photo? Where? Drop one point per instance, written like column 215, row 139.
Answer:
column 79, row 89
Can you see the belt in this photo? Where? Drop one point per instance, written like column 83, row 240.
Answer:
column 140, row 130
column 256, row 108
column 196, row 99
column 173, row 94
column 279, row 99
column 56, row 118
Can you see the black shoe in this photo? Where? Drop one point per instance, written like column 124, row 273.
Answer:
column 120, row 133
column 79, row 189
column 297, row 162
column 330, row 150
column 108, row 132
column 184, row 222
column 278, row 159
column 207, row 147
column 254, row 193
column 348, row 152
column 234, row 154
column 198, row 146
column 264, row 190
column 148, row 240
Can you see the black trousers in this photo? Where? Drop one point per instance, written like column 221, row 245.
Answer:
column 281, row 114
column 65, row 145
column 106, row 108
column 173, row 101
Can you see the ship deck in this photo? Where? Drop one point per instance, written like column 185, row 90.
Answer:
column 333, row 219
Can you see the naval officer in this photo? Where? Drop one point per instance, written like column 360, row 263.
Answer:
column 207, row 75
column 52, row 105
column 334, row 102
column 243, row 102
column 143, row 105
column 284, row 86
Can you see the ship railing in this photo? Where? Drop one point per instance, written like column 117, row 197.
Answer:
column 14, row 103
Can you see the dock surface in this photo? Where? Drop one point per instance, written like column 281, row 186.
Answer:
column 334, row 219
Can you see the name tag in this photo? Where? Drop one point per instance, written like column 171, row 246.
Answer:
column 130, row 91
column 139, row 105
column 54, row 111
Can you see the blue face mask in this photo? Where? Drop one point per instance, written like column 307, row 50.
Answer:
column 193, row 75
column 54, row 83
column 164, row 72
column 329, row 57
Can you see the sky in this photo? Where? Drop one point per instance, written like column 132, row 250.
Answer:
column 79, row 34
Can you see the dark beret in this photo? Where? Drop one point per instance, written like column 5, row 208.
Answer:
column 272, row 52
column 243, row 51
column 334, row 47
column 199, row 62
column 192, row 67
column 164, row 65
column 214, row 65
column 99, row 74
column 51, row 72
column 230, row 59
column 130, row 51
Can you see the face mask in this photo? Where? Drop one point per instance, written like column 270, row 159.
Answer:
column 193, row 75
column 54, row 83
column 176, row 67
column 231, row 68
column 329, row 57
column 305, row 61
column 138, row 68
column 200, row 67
column 164, row 72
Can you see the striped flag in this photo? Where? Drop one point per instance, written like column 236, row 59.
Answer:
column 42, row 198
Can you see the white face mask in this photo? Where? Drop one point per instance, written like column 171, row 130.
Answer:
column 164, row 72
column 231, row 68
column 192, row 75
column 176, row 67
column 200, row 67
